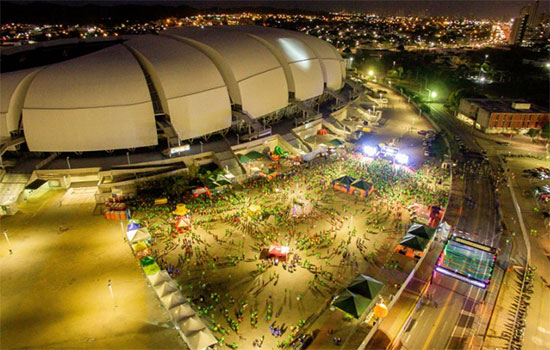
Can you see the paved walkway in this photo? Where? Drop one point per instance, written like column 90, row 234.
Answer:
column 54, row 288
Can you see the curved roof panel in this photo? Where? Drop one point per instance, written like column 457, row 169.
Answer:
column 329, row 56
column 251, row 64
column 14, row 89
column 94, row 102
column 302, row 68
column 194, row 91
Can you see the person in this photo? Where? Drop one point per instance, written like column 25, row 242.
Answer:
column 435, row 304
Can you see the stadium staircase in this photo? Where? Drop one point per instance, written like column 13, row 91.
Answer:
column 258, row 130
column 337, row 95
column 5, row 145
column 308, row 113
column 229, row 162
column 163, row 122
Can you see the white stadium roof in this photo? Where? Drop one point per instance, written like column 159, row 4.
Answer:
column 95, row 102
column 14, row 88
column 250, row 67
column 194, row 91
column 104, row 100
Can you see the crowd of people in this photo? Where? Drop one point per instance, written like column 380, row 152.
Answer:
column 222, row 261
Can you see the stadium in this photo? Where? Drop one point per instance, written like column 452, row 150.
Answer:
column 165, row 90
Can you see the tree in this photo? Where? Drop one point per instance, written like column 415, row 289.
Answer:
column 545, row 131
column 533, row 133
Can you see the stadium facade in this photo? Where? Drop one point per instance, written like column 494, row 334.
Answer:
column 193, row 81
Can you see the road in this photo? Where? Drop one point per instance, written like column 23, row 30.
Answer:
column 450, row 324
column 537, row 332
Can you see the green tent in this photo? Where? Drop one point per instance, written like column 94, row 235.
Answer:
column 335, row 142
column 151, row 269
column 244, row 159
column 254, row 155
column 414, row 242
column 422, row 231
column 344, row 181
column 148, row 260
column 365, row 286
column 351, row 303
column 362, row 185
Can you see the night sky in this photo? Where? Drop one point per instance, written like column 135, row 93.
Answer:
column 496, row 9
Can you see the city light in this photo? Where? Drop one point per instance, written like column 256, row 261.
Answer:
column 433, row 94
column 371, row 73
column 370, row 151
column 402, row 158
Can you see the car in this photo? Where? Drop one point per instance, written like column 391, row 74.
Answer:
column 426, row 143
column 427, row 153
column 422, row 132
column 502, row 143
column 458, row 138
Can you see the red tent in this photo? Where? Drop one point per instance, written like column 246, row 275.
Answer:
column 278, row 251
column 183, row 224
column 322, row 132
column 200, row 191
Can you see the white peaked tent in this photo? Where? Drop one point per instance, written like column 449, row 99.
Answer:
column 182, row 312
column 201, row 340
column 159, row 278
column 141, row 234
column 166, row 288
column 191, row 324
column 173, row 300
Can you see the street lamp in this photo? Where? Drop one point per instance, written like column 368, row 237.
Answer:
column 371, row 73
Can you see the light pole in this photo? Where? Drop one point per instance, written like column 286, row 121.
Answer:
column 201, row 146
column 431, row 94
column 8, row 240
column 111, row 292
column 68, row 163
column 484, row 61
column 128, row 157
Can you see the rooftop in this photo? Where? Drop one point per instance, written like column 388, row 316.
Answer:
column 505, row 105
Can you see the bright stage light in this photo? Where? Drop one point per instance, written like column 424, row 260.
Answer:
column 369, row 151
column 476, row 283
column 402, row 158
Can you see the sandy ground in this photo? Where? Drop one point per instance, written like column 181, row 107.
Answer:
column 54, row 288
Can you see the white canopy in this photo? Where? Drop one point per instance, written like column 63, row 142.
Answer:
column 159, row 278
column 141, row 234
column 166, row 288
column 182, row 312
column 191, row 324
column 173, row 300
column 201, row 340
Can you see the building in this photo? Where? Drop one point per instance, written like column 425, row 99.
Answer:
column 188, row 81
column 519, row 28
column 502, row 116
column 526, row 26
